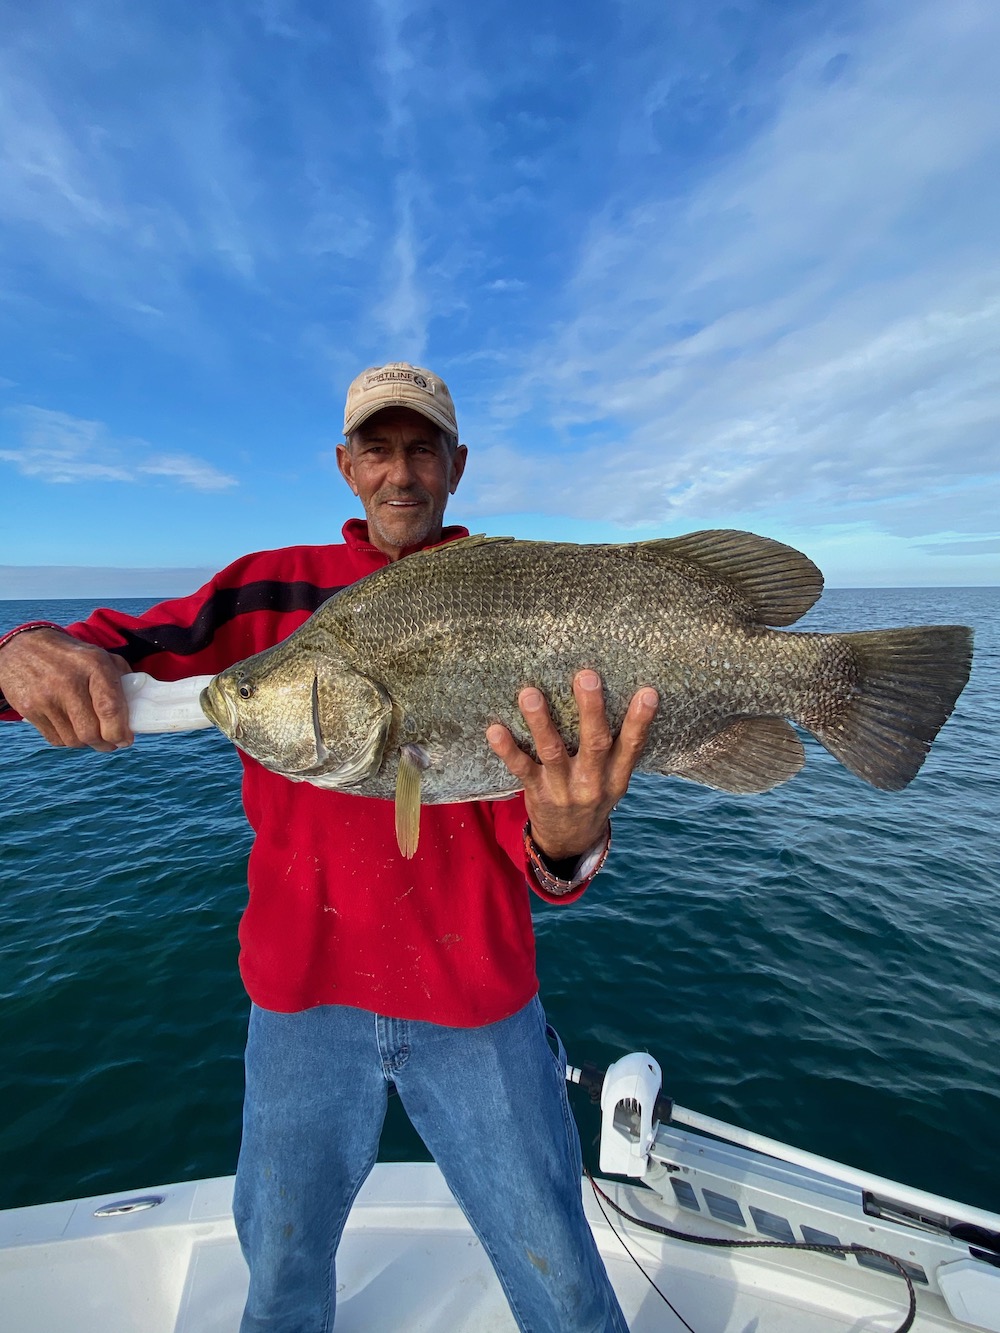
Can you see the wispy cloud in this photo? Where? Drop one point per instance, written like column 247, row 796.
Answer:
column 48, row 180
column 404, row 308
column 816, row 324
column 396, row 62
column 59, row 448
column 151, row 195
column 682, row 264
column 985, row 546
column 115, row 208
column 287, row 19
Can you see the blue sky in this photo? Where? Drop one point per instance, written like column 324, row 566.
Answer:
column 684, row 264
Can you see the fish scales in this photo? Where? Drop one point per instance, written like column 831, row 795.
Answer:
column 406, row 669
column 502, row 616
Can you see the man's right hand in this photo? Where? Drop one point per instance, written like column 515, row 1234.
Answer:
column 70, row 691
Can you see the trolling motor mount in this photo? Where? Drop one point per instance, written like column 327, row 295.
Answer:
column 629, row 1114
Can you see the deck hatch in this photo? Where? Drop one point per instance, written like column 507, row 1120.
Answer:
column 685, row 1195
column 723, row 1208
column 916, row 1273
column 813, row 1236
column 771, row 1224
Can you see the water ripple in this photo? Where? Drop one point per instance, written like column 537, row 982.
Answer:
column 818, row 963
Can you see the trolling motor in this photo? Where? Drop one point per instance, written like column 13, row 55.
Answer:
column 953, row 1248
column 632, row 1108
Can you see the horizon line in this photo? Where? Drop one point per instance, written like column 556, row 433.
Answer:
column 20, row 583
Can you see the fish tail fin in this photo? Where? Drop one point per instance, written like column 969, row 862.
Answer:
column 908, row 681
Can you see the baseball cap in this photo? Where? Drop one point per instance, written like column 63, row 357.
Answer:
column 399, row 384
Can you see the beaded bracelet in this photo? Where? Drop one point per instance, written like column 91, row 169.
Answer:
column 12, row 634
column 587, row 867
column 31, row 624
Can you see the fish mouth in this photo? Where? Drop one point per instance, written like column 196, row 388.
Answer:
column 224, row 717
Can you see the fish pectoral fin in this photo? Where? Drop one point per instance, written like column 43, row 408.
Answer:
column 412, row 763
column 750, row 754
column 780, row 583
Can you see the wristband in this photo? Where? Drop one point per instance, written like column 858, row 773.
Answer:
column 587, row 867
column 20, row 629
column 31, row 624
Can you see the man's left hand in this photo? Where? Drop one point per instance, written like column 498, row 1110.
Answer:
column 569, row 797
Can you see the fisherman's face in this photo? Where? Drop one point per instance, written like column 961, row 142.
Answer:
column 403, row 472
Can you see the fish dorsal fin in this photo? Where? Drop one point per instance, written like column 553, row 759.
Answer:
column 461, row 543
column 780, row 583
column 750, row 754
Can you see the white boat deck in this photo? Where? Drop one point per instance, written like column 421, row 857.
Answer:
column 408, row 1264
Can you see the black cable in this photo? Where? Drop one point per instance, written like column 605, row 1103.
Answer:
column 663, row 1297
column 724, row 1241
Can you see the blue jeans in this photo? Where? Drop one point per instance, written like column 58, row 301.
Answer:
column 490, row 1103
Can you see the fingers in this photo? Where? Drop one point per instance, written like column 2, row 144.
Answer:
column 503, row 745
column 69, row 690
column 90, row 711
column 596, row 743
column 93, row 713
column 595, row 739
column 569, row 797
column 566, row 798
column 110, row 708
column 610, row 762
column 595, row 735
column 633, row 735
column 50, row 729
column 548, row 743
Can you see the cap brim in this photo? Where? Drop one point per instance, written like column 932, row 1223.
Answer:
column 398, row 398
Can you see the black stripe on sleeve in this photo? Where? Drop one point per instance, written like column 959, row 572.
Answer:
column 223, row 606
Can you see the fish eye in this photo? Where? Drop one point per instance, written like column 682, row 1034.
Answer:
column 246, row 691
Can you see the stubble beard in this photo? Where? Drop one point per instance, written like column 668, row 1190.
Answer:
column 401, row 528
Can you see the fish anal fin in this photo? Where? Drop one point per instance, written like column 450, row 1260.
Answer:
column 750, row 754
column 412, row 762
column 780, row 583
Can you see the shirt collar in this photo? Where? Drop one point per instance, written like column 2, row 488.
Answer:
column 355, row 532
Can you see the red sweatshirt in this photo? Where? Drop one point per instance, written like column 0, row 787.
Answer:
column 335, row 914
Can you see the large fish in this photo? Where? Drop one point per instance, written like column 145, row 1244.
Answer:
column 388, row 688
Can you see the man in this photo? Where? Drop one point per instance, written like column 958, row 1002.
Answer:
column 365, row 969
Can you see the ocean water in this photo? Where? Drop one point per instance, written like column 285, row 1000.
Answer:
column 819, row 963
